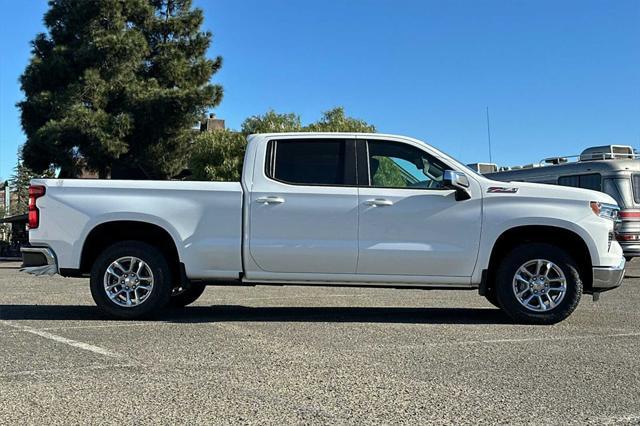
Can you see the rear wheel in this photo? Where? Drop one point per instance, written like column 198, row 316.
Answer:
column 130, row 280
column 538, row 284
column 182, row 296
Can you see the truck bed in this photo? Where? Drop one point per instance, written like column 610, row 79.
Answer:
column 203, row 218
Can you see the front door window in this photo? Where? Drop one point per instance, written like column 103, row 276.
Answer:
column 394, row 165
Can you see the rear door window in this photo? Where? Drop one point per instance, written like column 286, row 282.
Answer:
column 312, row 162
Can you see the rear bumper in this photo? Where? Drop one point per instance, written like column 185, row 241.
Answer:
column 609, row 277
column 39, row 261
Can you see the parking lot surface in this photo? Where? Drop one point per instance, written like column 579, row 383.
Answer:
column 281, row 355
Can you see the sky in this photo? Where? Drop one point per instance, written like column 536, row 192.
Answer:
column 557, row 76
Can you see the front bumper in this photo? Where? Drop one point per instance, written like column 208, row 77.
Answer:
column 39, row 261
column 608, row 278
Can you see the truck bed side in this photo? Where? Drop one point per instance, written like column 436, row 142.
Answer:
column 204, row 219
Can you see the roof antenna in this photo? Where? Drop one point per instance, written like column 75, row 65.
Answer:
column 489, row 135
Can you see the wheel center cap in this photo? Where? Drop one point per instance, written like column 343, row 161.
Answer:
column 538, row 284
column 130, row 280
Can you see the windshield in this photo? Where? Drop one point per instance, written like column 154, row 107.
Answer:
column 467, row 168
column 620, row 190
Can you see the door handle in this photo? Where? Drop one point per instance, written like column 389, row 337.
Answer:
column 270, row 200
column 379, row 202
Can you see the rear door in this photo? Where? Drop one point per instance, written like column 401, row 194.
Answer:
column 304, row 210
column 410, row 225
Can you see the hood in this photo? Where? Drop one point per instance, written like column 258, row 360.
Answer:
column 541, row 190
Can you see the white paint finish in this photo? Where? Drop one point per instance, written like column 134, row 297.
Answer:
column 313, row 231
column 548, row 205
column 63, row 340
column 346, row 279
column 416, row 233
column 318, row 233
column 203, row 218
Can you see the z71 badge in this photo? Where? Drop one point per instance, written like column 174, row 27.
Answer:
column 501, row 190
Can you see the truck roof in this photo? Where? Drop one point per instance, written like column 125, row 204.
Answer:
column 326, row 134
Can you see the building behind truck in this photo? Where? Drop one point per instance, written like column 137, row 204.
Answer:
column 612, row 169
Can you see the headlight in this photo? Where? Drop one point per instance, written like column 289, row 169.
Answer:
column 607, row 211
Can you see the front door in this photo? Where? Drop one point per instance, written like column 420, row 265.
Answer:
column 409, row 224
column 304, row 214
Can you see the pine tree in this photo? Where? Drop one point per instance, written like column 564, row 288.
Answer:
column 19, row 183
column 117, row 83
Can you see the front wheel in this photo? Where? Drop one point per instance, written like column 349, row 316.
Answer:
column 130, row 280
column 538, row 284
column 492, row 298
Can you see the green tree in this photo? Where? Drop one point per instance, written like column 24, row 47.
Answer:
column 19, row 183
column 117, row 81
column 218, row 156
column 272, row 122
column 388, row 174
column 335, row 120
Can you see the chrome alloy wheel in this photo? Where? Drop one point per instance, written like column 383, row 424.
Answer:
column 539, row 285
column 128, row 281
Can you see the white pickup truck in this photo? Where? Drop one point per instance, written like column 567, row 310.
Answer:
column 330, row 209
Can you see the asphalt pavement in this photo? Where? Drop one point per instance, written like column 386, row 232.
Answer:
column 296, row 355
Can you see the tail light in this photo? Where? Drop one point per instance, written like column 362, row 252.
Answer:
column 35, row 192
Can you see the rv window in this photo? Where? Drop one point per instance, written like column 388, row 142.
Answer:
column 620, row 190
column 590, row 181
column 636, row 187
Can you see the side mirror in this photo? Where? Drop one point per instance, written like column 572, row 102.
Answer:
column 458, row 181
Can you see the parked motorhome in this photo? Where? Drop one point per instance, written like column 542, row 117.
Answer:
column 612, row 169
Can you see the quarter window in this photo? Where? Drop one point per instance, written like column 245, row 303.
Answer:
column 398, row 165
column 311, row 162
column 587, row 181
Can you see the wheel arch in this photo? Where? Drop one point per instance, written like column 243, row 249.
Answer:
column 107, row 233
column 561, row 237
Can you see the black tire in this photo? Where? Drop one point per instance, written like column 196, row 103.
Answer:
column 187, row 296
column 159, row 294
column 492, row 298
column 520, row 255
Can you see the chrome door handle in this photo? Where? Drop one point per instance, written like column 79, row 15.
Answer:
column 379, row 202
column 270, row 200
